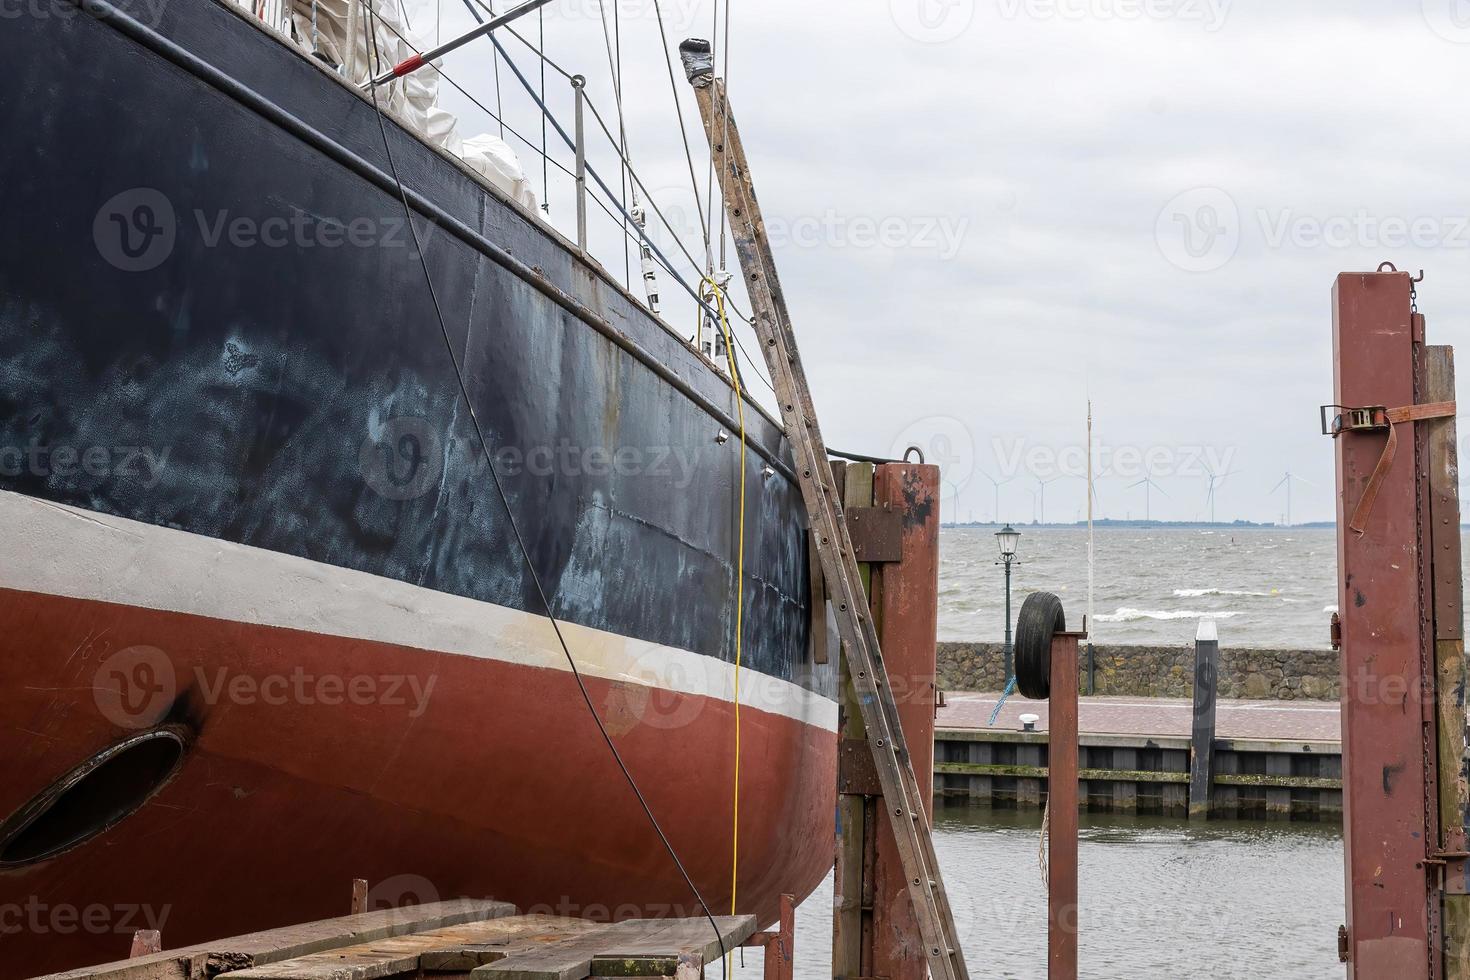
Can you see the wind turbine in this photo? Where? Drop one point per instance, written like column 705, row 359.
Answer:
column 1042, row 484
column 997, row 484
column 1148, row 484
column 1286, row 482
column 1215, row 479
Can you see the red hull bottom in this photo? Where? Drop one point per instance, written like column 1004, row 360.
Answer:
column 316, row 759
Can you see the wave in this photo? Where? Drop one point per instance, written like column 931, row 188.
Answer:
column 1196, row 593
column 1129, row 615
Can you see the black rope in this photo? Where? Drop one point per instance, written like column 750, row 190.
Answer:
column 510, row 515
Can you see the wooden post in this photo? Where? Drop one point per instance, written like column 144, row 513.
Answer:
column 906, row 607
column 1449, row 657
column 852, row 905
column 359, row 895
column 780, row 948
column 146, row 942
column 1202, row 740
column 1381, row 604
column 1061, row 802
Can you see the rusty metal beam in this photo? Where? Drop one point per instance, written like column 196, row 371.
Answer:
column 1061, row 807
column 1381, row 603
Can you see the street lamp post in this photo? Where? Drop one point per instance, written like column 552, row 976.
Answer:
column 1007, row 538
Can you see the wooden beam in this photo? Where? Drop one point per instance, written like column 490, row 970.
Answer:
column 274, row 945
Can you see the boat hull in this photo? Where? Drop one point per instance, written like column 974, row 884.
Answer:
column 243, row 502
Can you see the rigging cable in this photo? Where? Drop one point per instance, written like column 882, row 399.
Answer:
column 545, row 183
column 640, row 237
column 510, row 515
column 615, row 68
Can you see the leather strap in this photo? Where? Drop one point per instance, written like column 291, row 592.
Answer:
column 1393, row 416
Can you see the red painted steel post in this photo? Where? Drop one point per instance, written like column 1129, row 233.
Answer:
column 907, row 604
column 1382, row 607
column 781, row 946
column 1061, row 802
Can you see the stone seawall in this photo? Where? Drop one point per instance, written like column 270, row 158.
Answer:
column 1145, row 671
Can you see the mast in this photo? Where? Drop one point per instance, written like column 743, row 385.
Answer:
column 1089, row 547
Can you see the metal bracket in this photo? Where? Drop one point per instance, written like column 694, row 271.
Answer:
column 1454, row 865
column 876, row 533
column 857, row 775
column 1371, row 418
column 1344, row 947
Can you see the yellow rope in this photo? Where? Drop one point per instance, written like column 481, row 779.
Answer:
column 719, row 297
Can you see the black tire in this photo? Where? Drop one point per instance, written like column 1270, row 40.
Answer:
column 1041, row 617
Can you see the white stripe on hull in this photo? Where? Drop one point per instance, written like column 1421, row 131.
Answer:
column 68, row 551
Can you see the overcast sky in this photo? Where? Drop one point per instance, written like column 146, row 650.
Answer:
column 986, row 210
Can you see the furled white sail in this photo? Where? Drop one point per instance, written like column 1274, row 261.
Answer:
column 337, row 31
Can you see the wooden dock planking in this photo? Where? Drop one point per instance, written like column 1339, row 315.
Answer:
column 640, row 940
column 274, row 945
column 458, row 949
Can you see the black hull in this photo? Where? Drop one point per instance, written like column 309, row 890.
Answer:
column 284, row 352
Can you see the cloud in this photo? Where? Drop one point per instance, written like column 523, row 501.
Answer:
column 1050, row 138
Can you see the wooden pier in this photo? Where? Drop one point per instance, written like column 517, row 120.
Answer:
column 458, row 940
column 1272, row 760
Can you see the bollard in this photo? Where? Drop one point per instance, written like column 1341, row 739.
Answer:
column 1202, row 738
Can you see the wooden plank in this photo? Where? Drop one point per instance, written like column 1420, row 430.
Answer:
column 1125, row 792
column 274, row 945
column 1278, row 797
column 456, row 948
column 658, row 953
column 1449, row 647
column 855, row 482
column 663, row 939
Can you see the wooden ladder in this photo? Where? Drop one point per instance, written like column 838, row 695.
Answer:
column 772, row 324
